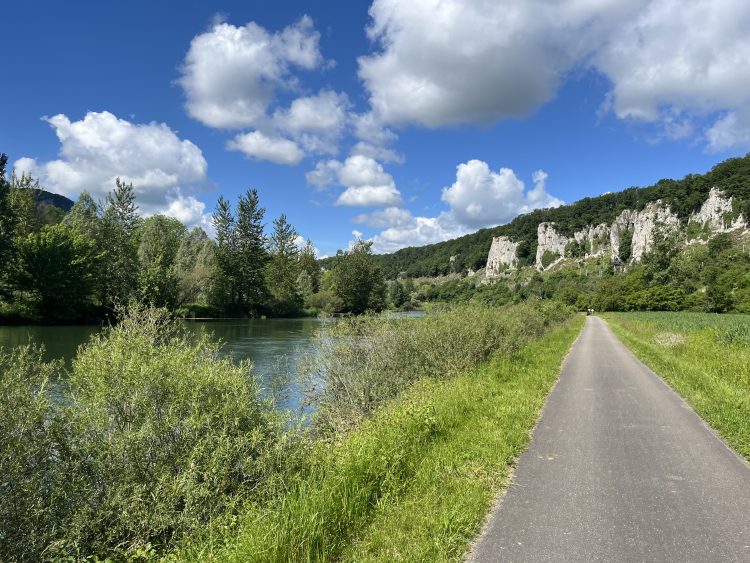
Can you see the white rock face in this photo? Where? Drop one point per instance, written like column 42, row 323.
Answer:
column 712, row 213
column 641, row 224
column 655, row 213
column 597, row 238
column 548, row 239
column 502, row 256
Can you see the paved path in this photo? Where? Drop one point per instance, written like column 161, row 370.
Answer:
column 620, row 469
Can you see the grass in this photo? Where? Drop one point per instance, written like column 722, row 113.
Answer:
column 704, row 357
column 412, row 482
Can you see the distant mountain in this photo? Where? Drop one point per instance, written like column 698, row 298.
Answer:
column 43, row 197
column 681, row 201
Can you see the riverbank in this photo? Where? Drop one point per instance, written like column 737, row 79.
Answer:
column 414, row 481
column 704, row 357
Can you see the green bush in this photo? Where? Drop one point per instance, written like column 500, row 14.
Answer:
column 158, row 436
column 359, row 363
column 34, row 487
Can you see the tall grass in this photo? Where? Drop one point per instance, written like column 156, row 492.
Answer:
column 706, row 360
column 390, row 446
column 359, row 363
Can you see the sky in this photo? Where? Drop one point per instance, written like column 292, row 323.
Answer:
column 404, row 122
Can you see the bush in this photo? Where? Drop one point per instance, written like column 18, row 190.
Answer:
column 359, row 363
column 159, row 436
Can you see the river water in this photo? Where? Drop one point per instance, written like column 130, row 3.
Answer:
column 274, row 346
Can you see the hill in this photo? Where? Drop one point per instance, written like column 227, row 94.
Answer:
column 684, row 197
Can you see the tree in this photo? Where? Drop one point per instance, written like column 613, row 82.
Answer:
column 225, row 292
column 241, row 256
column 195, row 267
column 358, row 280
column 160, row 238
column 251, row 256
column 308, row 262
column 57, row 268
column 398, row 295
column 284, row 268
column 119, row 226
column 7, row 221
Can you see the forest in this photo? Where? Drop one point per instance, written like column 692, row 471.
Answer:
column 64, row 262
column 684, row 196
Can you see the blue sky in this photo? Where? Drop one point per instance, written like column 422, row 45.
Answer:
column 405, row 122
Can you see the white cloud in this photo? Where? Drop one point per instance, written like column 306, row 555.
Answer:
column 388, row 217
column 367, row 183
column 322, row 113
column 230, row 74
column 276, row 149
column 401, row 229
column 731, row 130
column 480, row 197
column 369, row 196
column 685, row 57
column 445, row 62
column 101, row 147
column 681, row 65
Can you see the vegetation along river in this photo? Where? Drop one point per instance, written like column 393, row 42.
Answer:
column 274, row 346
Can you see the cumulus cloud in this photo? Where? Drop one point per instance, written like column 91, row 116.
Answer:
column 367, row 183
column 682, row 66
column 230, row 74
column 401, row 229
column 276, row 149
column 691, row 58
column 101, row 147
column 445, row 62
column 480, row 197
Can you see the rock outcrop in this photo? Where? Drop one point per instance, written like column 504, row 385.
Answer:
column 655, row 213
column 595, row 240
column 549, row 241
column 717, row 214
column 502, row 256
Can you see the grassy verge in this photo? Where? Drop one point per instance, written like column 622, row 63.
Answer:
column 704, row 357
column 415, row 480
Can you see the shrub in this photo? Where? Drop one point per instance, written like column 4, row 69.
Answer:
column 359, row 363
column 158, row 436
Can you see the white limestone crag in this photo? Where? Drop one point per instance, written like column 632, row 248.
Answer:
column 655, row 213
column 595, row 239
column 717, row 214
column 502, row 256
column 549, row 240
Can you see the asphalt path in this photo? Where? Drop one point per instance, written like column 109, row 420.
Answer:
column 620, row 468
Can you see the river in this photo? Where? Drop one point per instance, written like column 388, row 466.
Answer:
column 274, row 346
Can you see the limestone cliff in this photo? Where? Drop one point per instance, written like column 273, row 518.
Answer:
column 502, row 256
column 717, row 214
column 549, row 242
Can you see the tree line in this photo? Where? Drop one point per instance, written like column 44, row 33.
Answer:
column 84, row 264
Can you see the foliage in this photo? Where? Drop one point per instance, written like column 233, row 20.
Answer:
column 684, row 196
column 357, row 279
column 548, row 257
column 161, row 436
column 56, row 266
column 362, row 362
column 414, row 481
column 283, row 269
column 35, row 479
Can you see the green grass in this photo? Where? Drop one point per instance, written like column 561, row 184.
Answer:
column 415, row 481
column 704, row 357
